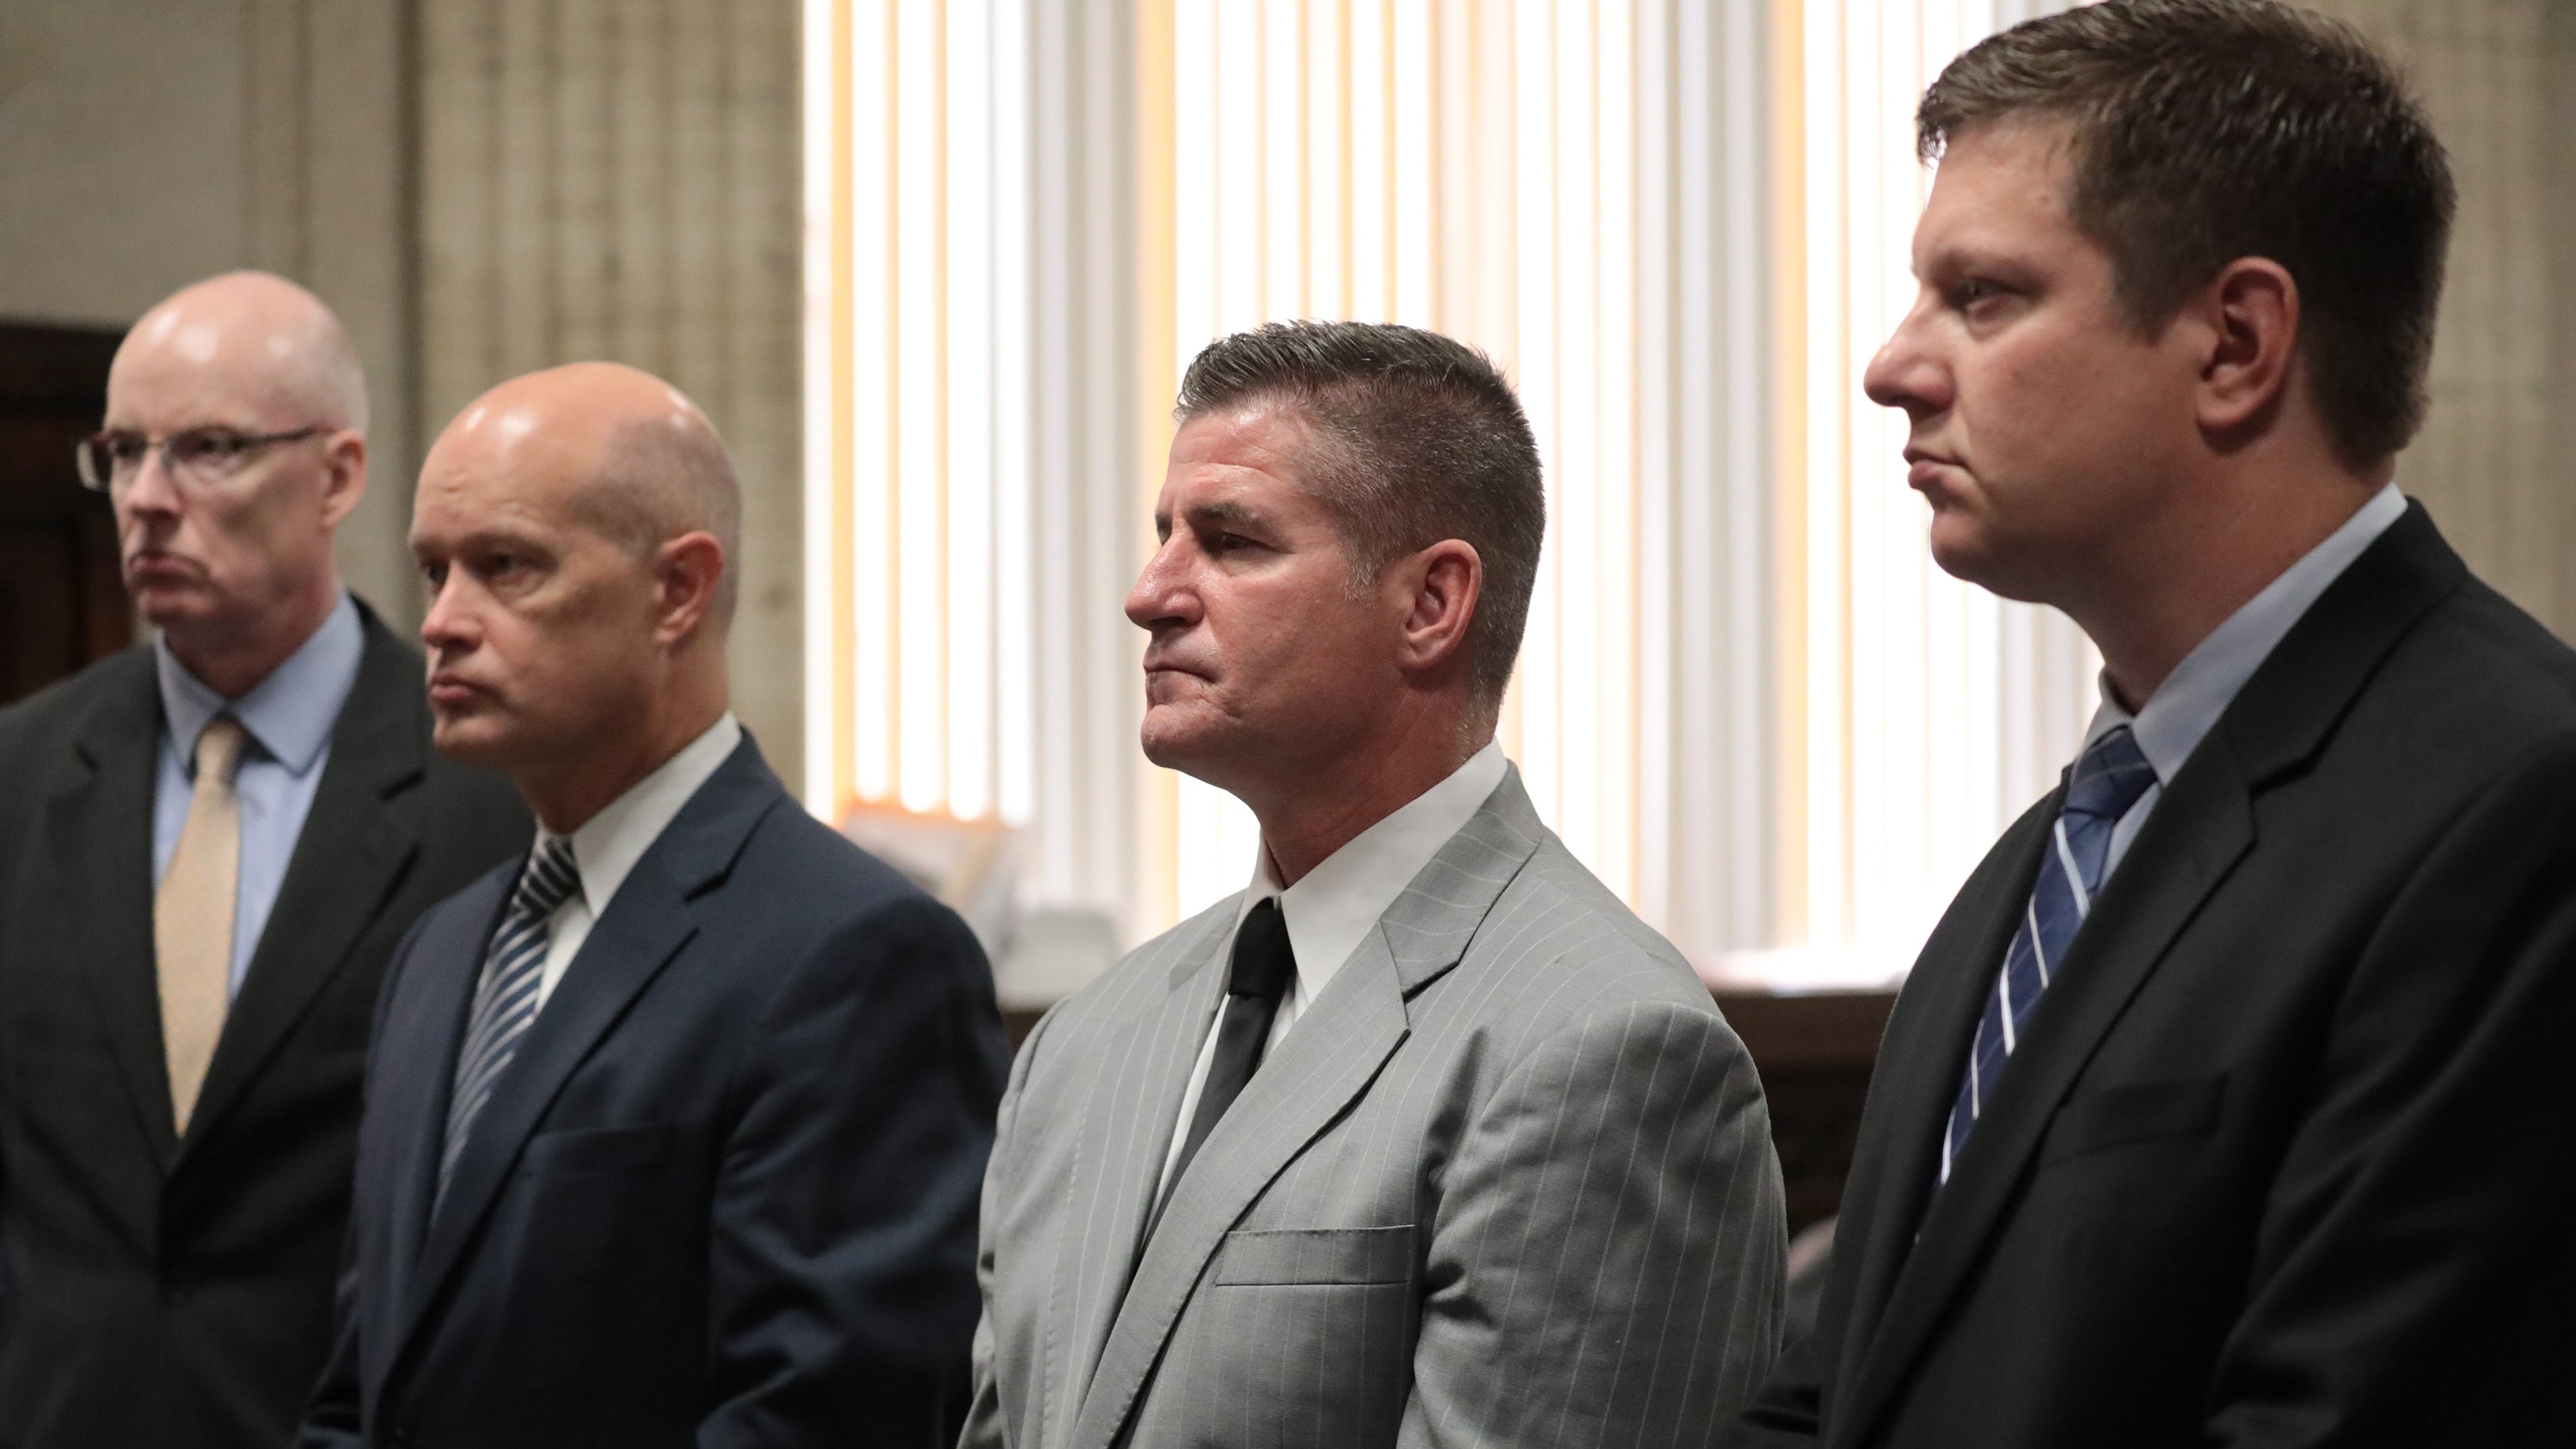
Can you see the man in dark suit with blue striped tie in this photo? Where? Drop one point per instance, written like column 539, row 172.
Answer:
column 2230, row 1102
column 674, row 1125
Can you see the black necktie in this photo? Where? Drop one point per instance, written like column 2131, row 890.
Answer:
column 1263, row 966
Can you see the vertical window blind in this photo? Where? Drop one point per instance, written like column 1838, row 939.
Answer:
column 1747, row 699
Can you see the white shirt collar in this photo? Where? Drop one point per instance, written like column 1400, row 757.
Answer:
column 2187, row 705
column 1332, row 909
column 608, row 844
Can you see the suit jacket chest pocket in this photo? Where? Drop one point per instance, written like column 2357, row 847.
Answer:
column 1301, row 1339
column 2127, row 1115
column 612, row 1236
column 1316, row 1257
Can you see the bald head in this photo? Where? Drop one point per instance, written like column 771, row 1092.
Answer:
column 621, row 449
column 576, row 527
column 230, row 554
column 251, row 341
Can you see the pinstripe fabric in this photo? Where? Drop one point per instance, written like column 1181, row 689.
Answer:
column 1509, row 1181
column 505, row 999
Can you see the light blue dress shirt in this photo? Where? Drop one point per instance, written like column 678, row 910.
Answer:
column 2183, row 710
column 288, row 717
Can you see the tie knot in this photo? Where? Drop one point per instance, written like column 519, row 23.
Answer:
column 550, row 879
column 1264, row 963
column 219, row 748
column 2110, row 777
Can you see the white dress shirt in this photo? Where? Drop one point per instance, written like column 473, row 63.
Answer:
column 2182, row 711
column 1332, row 909
column 288, row 718
column 608, row 845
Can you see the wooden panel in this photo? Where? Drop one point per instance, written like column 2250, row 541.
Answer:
column 61, row 605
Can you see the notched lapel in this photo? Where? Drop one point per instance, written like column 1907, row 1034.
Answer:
column 409, row 1073
column 650, row 922
column 2200, row 829
column 642, row 931
column 1324, row 1063
column 1921, row 1057
column 100, row 827
column 1133, row 1109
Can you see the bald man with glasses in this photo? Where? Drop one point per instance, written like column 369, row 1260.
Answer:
column 209, row 846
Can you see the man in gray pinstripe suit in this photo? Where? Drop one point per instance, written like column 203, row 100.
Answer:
column 1423, row 1139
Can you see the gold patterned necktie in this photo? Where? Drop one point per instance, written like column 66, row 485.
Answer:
column 192, row 919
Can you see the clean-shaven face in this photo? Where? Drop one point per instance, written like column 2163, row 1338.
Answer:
column 217, row 559
column 540, row 629
column 1267, row 657
column 2043, row 425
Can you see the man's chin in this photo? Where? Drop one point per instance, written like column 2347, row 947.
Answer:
column 1175, row 740
column 1965, row 550
column 472, row 737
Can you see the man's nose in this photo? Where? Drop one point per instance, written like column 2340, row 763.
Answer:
column 151, row 489
column 1905, row 374
column 446, row 623
column 1161, row 596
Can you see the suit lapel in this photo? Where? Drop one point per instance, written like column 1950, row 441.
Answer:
column 100, row 827
column 648, row 923
column 2202, row 827
column 1324, row 1064
column 1924, row 1050
column 1328, row 1059
column 1135, row 1104
column 408, row 1077
column 349, row 858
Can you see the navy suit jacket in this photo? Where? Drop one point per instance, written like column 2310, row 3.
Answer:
column 724, row 1195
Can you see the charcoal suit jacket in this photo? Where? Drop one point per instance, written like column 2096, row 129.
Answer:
column 176, row 1291
column 724, row 1194
column 2283, row 1155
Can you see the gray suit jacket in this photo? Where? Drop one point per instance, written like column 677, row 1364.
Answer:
column 1508, row 1181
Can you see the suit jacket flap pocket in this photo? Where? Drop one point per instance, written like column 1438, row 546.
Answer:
column 602, row 1149
column 1319, row 1255
column 2116, row 1116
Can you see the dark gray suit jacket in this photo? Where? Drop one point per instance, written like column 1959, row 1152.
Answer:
column 1508, row 1180
column 2283, row 1155
column 176, row 1292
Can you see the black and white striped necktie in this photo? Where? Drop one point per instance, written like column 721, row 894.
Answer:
column 505, row 999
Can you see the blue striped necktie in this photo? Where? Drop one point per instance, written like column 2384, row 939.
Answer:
column 505, row 999
column 2106, row 782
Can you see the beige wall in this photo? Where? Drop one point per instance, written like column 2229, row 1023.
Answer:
column 478, row 187
column 2497, row 460
column 147, row 143
column 621, row 179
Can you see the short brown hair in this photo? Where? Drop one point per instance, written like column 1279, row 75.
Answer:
column 1422, row 440
column 2208, row 130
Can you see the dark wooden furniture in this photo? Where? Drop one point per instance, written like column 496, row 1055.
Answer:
column 61, row 604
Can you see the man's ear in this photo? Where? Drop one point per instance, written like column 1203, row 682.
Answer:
column 2251, row 313
column 686, row 571
column 1441, row 585
column 344, row 480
